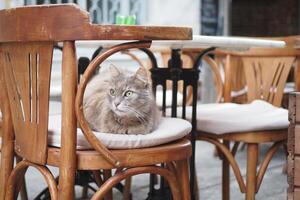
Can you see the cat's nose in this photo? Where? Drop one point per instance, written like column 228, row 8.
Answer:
column 117, row 103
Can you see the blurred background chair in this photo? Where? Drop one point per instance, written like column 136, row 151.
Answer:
column 242, row 77
column 259, row 121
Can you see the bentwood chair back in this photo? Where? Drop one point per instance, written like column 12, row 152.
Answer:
column 27, row 72
column 235, row 85
column 26, row 58
column 266, row 77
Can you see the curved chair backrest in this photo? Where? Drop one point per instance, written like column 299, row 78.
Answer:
column 26, row 49
column 266, row 77
column 26, row 46
column 259, row 75
column 258, row 72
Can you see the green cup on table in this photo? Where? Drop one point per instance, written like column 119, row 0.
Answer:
column 125, row 20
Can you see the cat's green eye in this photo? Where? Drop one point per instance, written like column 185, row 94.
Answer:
column 112, row 92
column 128, row 93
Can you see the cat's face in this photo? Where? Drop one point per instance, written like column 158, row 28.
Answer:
column 129, row 95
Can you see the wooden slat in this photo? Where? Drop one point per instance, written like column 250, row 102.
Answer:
column 297, row 194
column 297, row 111
column 69, row 22
column 290, row 173
column 297, row 138
column 227, row 84
column 297, row 171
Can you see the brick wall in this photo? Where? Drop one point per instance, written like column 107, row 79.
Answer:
column 265, row 17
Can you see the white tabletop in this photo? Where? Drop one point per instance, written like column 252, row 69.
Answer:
column 199, row 41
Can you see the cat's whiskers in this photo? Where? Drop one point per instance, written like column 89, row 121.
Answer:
column 138, row 115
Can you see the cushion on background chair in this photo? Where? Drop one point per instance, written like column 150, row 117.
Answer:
column 168, row 130
column 222, row 118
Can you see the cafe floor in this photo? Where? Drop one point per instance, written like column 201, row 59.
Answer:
column 208, row 173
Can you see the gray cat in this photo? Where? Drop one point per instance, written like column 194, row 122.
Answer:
column 117, row 101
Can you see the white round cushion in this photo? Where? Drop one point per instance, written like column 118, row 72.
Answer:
column 220, row 118
column 168, row 130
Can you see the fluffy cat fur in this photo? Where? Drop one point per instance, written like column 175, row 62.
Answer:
column 117, row 101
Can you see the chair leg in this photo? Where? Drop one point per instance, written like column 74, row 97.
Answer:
column 23, row 190
column 183, row 178
column 106, row 176
column 7, row 161
column 84, row 192
column 196, row 187
column 127, row 188
column 225, row 174
column 252, row 159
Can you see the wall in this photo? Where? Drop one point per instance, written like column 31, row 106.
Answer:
column 265, row 18
column 174, row 12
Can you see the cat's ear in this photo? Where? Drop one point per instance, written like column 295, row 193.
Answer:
column 142, row 75
column 114, row 71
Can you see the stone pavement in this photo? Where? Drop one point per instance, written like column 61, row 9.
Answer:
column 273, row 186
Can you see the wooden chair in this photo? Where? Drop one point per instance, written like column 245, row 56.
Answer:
column 26, row 58
column 265, row 72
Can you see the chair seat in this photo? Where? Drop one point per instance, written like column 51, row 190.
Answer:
column 168, row 130
column 176, row 150
column 235, row 118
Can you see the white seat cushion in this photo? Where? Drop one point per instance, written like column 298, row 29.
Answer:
column 168, row 130
column 159, row 98
column 230, row 117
